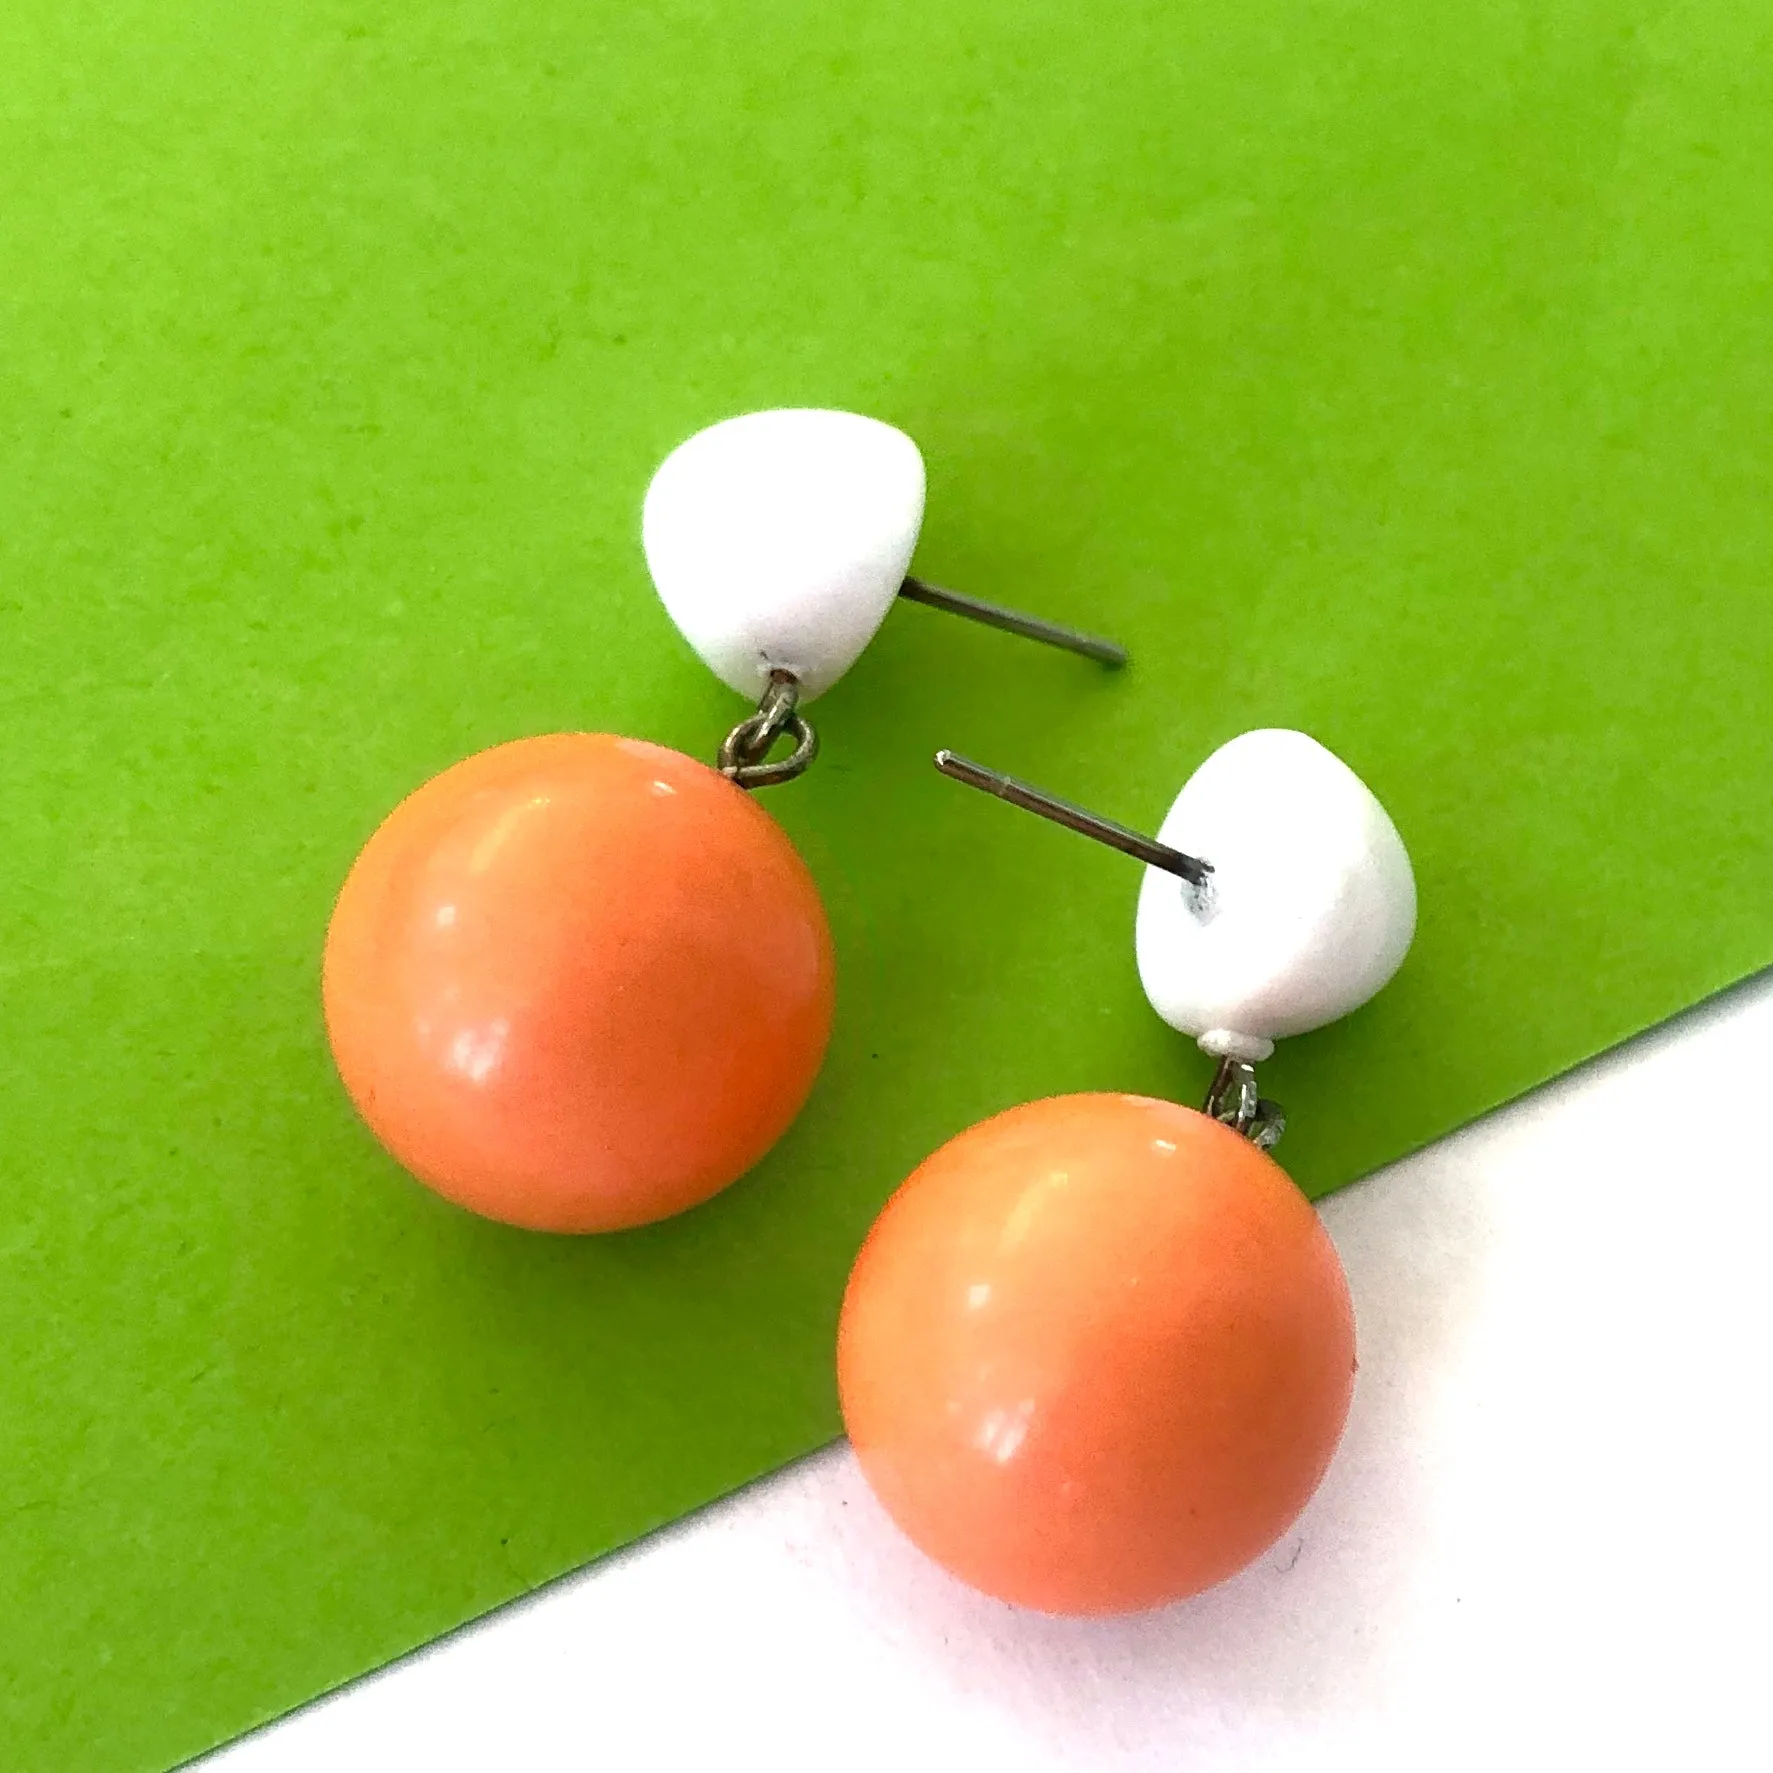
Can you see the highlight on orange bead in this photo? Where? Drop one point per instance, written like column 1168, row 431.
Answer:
column 579, row 982
column 1096, row 1354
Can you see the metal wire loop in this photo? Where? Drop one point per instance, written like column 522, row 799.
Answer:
column 744, row 757
column 1235, row 1101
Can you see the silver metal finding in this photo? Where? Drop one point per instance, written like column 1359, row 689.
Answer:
column 1075, row 818
column 1233, row 1098
column 1011, row 621
column 744, row 752
column 1235, row 1101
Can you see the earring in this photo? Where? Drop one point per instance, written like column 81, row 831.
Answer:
column 1097, row 1352
column 582, row 982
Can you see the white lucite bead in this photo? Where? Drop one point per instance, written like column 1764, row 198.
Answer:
column 778, row 541
column 1310, row 908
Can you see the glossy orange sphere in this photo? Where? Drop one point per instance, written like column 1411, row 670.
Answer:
column 578, row 982
column 1096, row 1354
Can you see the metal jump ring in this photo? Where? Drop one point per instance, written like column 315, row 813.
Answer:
column 744, row 753
column 738, row 744
column 1235, row 1102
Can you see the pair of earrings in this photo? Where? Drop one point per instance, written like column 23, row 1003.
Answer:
column 1096, row 1352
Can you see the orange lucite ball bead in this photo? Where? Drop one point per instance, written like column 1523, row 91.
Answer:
column 1096, row 1354
column 578, row 982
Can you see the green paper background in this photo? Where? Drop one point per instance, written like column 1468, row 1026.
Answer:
column 1403, row 373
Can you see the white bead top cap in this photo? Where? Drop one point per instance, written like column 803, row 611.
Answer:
column 1310, row 908
column 778, row 541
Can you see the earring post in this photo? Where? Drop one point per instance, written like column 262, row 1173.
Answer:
column 1074, row 818
column 994, row 615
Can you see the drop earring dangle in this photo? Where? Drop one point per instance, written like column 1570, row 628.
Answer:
column 1097, row 1351
column 581, row 982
